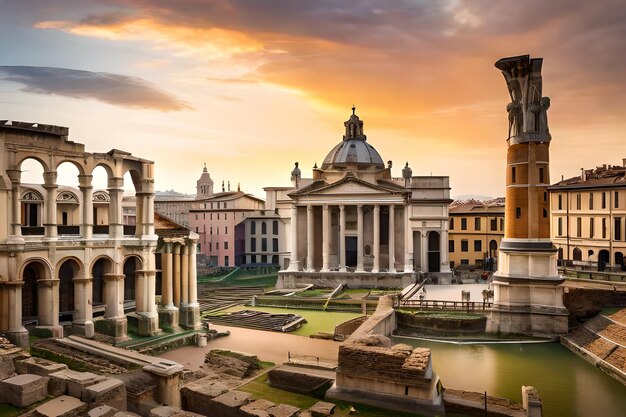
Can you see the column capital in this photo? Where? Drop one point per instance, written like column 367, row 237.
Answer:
column 342, row 207
column 50, row 179
column 84, row 181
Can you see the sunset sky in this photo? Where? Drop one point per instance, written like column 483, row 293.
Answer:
column 250, row 87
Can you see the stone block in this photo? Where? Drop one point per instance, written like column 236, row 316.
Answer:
column 283, row 410
column 9, row 354
column 102, row 411
column 196, row 394
column 257, row 408
column 126, row 414
column 227, row 405
column 111, row 392
column 322, row 409
column 63, row 406
column 23, row 390
column 71, row 382
column 171, row 411
column 38, row 366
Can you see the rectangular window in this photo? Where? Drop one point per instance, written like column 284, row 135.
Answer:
column 253, row 244
column 211, row 230
column 263, row 259
column 226, row 261
column 579, row 227
column 494, row 225
column 518, row 212
column 616, row 199
column 501, row 224
column 274, row 245
column 225, row 230
column 591, row 224
column 603, row 228
column 464, row 246
column 560, row 226
column 451, row 246
column 275, row 227
column 618, row 228
column 218, row 216
column 253, row 227
column 217, row 245
column 603, row 200
column 463, row 224
column 226, row 245
column 253, row 259
column 211, row 216
column 225, row 216
column 264, row 245
column 451, row 223
column 478, row 246
column 196, row 229
column 196, row 217
column 540, row 175
column 545, row 196
column 477, row 223
column 578, row 201
column 513, row 174
column 560, row 201
column 464, row 261
column 590, row 201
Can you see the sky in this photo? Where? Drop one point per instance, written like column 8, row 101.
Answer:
column 250, row 87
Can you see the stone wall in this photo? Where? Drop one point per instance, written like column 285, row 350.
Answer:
column 383, row 321
column 300, row 382
column 287, row 279
column 584, row 303
column 439, row 326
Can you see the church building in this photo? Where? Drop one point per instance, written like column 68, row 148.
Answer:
column 354, row 223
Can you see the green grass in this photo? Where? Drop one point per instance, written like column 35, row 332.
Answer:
column 313, row 293
column 318, row 321
column 7, row 410
column 261, row 389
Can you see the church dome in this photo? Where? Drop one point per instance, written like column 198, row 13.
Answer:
column 353, row 149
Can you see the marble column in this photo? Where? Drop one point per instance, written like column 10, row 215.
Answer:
column 190, row 313
column 294, row 263
column 139, row 215
column 176, row 274
column 424, row 245
column 116, row 191
column 48, row 306
column 16, row 219
column 392, row 237
column 84, row 183
column 443, row 249
column 325, row 239
column 359, row 239
column 408, row 240
column 50, row 184
column 376, row 267
column 146, row 311
column 114, row 306
column 342, row 238
column 17, row 333
column 184, row 276
column 309, row 238
column 167, row 282
column 83, row 310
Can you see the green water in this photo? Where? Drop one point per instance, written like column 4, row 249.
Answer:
column 567, row 385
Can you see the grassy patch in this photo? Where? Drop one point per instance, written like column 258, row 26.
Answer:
column 71, row 363
column 7, row 410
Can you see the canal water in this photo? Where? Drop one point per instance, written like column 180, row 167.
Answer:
column 568, row 386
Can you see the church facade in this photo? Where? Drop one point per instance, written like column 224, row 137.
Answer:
column 354, row 223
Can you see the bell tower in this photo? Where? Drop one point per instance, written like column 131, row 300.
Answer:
column 204, row 186
column 528, row 296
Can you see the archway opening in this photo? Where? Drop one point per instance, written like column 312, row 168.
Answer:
column 32, row 198
column 131, row 265
column 67, row 272
column 68, row 200
column 433, row 252
column 603, row 259
column 619, row 261
column 33, row 272
column 577, row 254
column 100, row 268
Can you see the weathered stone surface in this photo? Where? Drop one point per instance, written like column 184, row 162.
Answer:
column 258, row 408
column 373, row 340
column 296, row 381
column 9, row 354
column 321, row 409
column 236, row 364
column 23, row 390
column 170, row 411
column 102, row 411
column 283, row 410
column 111, row 392
column 227, row 405
column 71, row 382
column 38, row 366
column 125, row 414
column 63, row 406
column 195, row 395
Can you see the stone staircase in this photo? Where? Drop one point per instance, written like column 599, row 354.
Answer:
column 220, row 298
column 251, row 319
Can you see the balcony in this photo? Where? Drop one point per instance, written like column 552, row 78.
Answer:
column 64, row 230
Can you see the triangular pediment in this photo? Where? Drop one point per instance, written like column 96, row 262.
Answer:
column 349, row 186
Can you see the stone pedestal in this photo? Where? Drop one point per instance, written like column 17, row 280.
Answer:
column 190, row 316
column 49, row 331
column 86, row 329
column 18, row 337
column 147, row 323
column 168, row 381
column 168, row 317
column 115, row 328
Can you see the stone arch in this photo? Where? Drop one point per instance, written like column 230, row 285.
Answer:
column 108, row 169
column 100, row 266
column 68, row 269
column 434, row 254
column 32, row 272
column 132, row 264
column 493, row 248
column 619, row 261
column 577, row 254
column 603, row 259
column 23, row 157
column 77, row 164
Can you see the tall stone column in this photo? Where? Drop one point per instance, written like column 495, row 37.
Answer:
column 294, row 263
column 48, row 306
column 16, row 219
column 114, row 311
column 376, row 267
column 184, row 276
column 17, row 333
column 443, row 249
column 50, row 184
column 190, row 314
column 168, row 313
column 359, row 239
column 83, row 309
column 116, row 191
column 84, row 183
column 149, row 326
column 325, row 239
column 392, row 237
column 309, row 238
column 342, row 238
column 149, row 210
column 408, row 240
column 139, row 215
column 176, row 274
column 424, row 246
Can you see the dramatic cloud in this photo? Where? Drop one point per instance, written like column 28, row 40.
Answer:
column 115, row 89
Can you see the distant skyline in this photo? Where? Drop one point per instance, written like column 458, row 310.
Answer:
column 250, row 87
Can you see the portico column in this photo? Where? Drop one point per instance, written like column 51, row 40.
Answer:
column 342, row 238
column 87, row 205
column 140, row 291
column 48, row 306
column 145, row 290
column 184, row 276
column 443, row 248
column 115, row 189
column 359, row 239
column 176, row 274
column 190, row 314
column 392, row 236
column 325, row 239
column 83, row 313
column 408, row 240
column 193, row 274
column 424, row 246
column 17, row 333
column 16, row 221
column 309, row 238
column 376, row 266
column 294, row 263
column 167, row 282
column 114, row 295
column 50, row 184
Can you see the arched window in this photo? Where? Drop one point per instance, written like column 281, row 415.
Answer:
column 578, row 254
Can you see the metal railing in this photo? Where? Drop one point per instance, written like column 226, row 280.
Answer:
column 444, row 305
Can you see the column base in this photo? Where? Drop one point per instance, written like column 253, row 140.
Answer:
column 168, row 316
column 115, row 328
column 190, row 316
column 49, row 331
column 85, row 329
column 18, row 337
column 294, row 266
column 144, row 323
